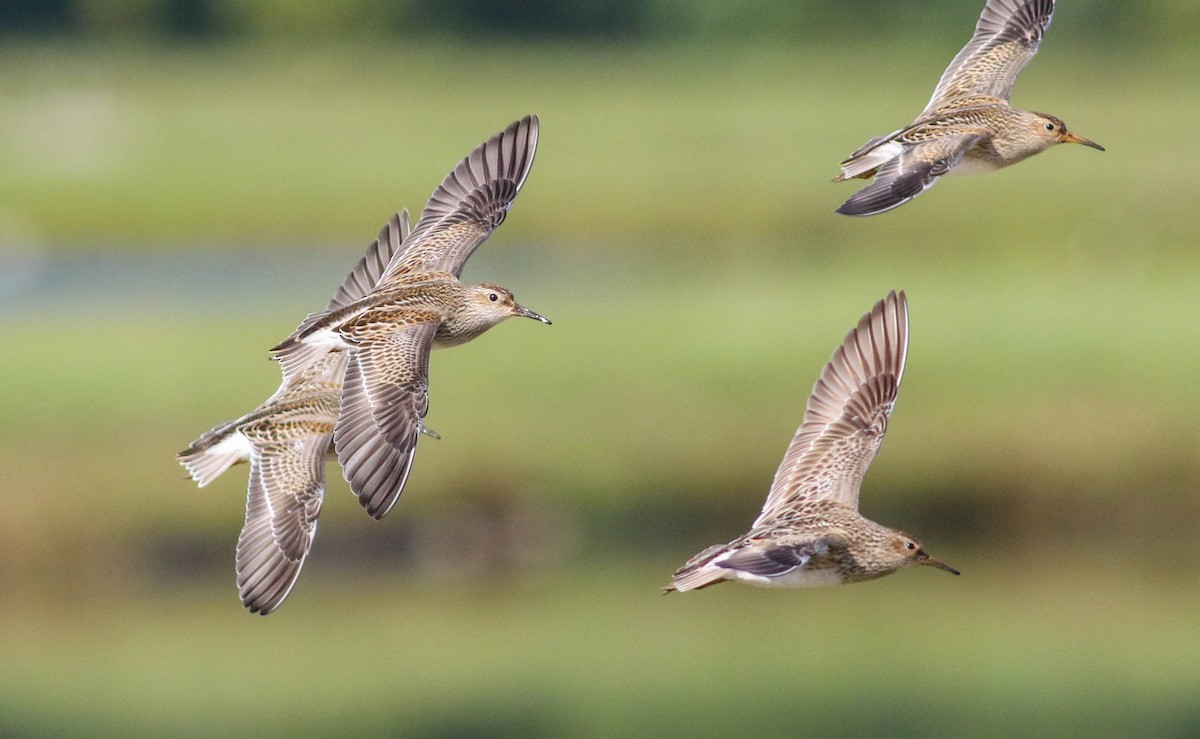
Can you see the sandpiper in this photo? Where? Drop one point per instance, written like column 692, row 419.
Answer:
column 419, row 304
column 285, row 440
column 968, row 125
column 810, row 531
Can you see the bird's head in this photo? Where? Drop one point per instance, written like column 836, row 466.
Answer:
column 496, row 303
column 1051, row 131
column 908, row 551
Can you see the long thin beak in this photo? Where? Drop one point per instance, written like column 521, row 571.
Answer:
column 1072, row 138
column 523, row 311
column 927, row 560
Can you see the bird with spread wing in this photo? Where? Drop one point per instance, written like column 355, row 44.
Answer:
column 968, row 125
column 810, row 532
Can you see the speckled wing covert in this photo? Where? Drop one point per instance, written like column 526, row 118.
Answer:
column 292, row 354
column 470, row 203
column 385, row 398
column 847, row 414
column 287, row 485
column 366, row 274
column 1006, row 38
column 361, row 280
column 915, row 169
column 224, row 445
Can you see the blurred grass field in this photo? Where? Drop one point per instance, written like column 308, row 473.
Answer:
column 166, row 214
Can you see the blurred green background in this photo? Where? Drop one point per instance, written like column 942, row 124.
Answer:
column 182, row 180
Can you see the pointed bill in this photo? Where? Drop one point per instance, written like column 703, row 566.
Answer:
column 526, row 313
column 927, row 560
column 1068, row 137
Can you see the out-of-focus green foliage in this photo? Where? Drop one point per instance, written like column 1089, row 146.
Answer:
column 996, row 652
column 1113, row 21
column 731, row 146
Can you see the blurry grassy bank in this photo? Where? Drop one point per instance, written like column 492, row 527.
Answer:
column 996, row 652
column 154, row 148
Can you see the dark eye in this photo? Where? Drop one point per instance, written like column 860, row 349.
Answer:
column 910, row 545
column 1049, row 126
column 493, row 297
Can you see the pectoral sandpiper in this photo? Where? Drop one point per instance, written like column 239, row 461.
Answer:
column 285, row 440
column 968, row 125
column 419, row 304
column 810, row 531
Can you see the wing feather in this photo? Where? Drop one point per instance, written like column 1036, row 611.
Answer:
column 287, row 486
column 365, row 275
column 384, row 399
column 1006, row 37
column 847, row 413
column 470, row 203
column 914, row 171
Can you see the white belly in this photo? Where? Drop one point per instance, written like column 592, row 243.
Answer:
column 801, row 577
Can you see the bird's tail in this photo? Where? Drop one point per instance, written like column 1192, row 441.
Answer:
column 211, row 454
column 296, row 355
column 699, row 572
column 865, row 162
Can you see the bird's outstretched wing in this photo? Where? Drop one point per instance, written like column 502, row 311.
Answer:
column 469, row 204
column 772, row 559
column 1006, row 38
column 847, row 414
column 287, row 485
column 915, row 169
column 365, row 275
column 361, row 280
column 385, row 398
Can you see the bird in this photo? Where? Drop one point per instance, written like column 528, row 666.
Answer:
column 968, row 125
column 419, row 304
column 810, row 532
column 285, row 440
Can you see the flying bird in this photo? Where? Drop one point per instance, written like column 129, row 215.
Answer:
column 419, row 304
column 285, row 440
column 810, row 531
column 968, row 125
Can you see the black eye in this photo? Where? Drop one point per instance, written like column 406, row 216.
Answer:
column 910, row 545
column 1049, row 126
column 493, row 297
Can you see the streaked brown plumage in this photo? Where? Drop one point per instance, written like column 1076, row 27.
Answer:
column 810, row 531
column 285, row 440
column 419, row 304
column 968, row 125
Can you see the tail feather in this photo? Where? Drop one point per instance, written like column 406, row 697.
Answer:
column 866, row 161
column 295, row 354
column 698, row 579
column 210, row 455
column 699, row 572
